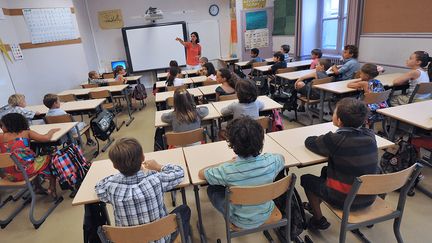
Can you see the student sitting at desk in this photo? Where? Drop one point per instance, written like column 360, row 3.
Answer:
column 419, row 62
column 350, row 64
column 136, row 193
column 247, row 104
column 94, row 78
column 209, row 71
column 285, row 49
column 279, row 62
column 15, row 139
column 225, row 78
column 186, row 116
column 17, row 104
column 303, row 84
column 202, row 61
column 52, row 102
column 119, row 74
column 352, row 152
column 249, row 168
column 173, row 79
column 316, row 54
column 254, row 54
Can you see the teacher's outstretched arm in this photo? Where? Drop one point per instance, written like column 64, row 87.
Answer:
column 181, row 41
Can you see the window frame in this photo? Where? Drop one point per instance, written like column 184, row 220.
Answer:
column 341, row 17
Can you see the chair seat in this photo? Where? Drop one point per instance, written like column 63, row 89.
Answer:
column 378, row 209
column 305, row 100
column 275, row 216
column 108, row 106
column 4, row 182
column 177, row 239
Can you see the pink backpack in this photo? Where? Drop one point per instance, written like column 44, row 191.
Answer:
column 277, row 124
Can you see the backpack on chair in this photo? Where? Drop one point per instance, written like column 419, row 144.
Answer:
column 103, row 125
column 139, row 93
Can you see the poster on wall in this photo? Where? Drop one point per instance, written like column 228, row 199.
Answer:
column 110, row 19
column 50, row 24
column 256, row 20
column 257, row 38
column 254, row 4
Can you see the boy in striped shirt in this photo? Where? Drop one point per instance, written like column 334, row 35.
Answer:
column 249, row 168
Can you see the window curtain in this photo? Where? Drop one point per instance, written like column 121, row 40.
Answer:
column 354, row 20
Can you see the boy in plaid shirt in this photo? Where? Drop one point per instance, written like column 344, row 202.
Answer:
column 136, row 193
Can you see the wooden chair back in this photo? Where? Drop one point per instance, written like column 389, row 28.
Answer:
column 89, row 86
column 209, row 82
column 180, row 139
column 115, row 83
column 170, row 101
column 384, row 183
column 228, row 97
column 240, row 195
column 142, row 233
column 107, row 75
column 173, row 88
column 58, row 119
column 100, row 94
column 259, row 64
column 264, row 121
column 67, row 98
column 286, row 70
column 6, row 160
column 322, row 81
column 376, row 98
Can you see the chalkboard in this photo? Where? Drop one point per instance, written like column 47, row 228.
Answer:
column 284, row 17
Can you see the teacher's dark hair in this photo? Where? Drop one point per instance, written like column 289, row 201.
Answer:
column 197, row 36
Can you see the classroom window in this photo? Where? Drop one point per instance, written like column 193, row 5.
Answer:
column 333, row 25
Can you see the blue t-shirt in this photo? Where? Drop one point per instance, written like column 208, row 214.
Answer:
column 349, row 67
column 251, row 171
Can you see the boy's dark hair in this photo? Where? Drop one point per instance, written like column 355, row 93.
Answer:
column 126, row 155
column 352, row 112
column 14, row 123
column 317, row 52
column 91, row 74
column 245, row 136
column 370, row 69
column 49, row 100
column 197, row 36
column 285, row 48
column 210, row 68
column 173, row 63
column 279, row 56
column 255, row 51
column 352, row 49
column 246, row 91
column 325, row 62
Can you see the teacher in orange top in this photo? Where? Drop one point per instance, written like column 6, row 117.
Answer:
column 193, row 51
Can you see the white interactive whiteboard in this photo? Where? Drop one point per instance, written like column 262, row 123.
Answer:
column 208, row 31
column 6, row 87
column 151, row 47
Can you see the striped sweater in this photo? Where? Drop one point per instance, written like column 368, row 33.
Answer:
column 352, row 153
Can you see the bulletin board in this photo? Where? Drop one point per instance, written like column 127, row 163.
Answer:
column 257, row 31
column 397, row 16
column 284, row 17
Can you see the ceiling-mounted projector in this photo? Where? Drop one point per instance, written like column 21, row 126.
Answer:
column 153, row 14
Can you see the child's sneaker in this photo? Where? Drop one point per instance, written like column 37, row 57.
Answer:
column 321, row 224
column 90, row 142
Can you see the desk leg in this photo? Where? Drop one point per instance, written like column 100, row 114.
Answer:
column 393, row 128
column 321, row 111
column 129, row 105
column 199, row 223
column 183, row 192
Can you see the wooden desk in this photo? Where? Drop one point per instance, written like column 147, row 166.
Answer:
column 293, row 141
column 44, row 128
column 103, row 168
column 229, row 59
column 209, row 89
column 162, row 96
column 213, row 114
column 292, row 76
column 303, row 63
column 76, row 92
column 112, row 89
column 418, row 114
column 199, row 79
column 162, row 84
column 244, row 65
column 200, row 156
column 73, row 106
column 131, row 79
column 269, row 104
column 162, row 76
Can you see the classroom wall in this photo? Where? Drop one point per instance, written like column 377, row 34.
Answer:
column 43, row 70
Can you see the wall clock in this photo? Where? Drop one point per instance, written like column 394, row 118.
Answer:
column 214, row 10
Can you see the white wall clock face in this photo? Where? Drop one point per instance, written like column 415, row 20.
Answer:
column 214, row 10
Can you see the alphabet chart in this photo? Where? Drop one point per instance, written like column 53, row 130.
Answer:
column 50, row 24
